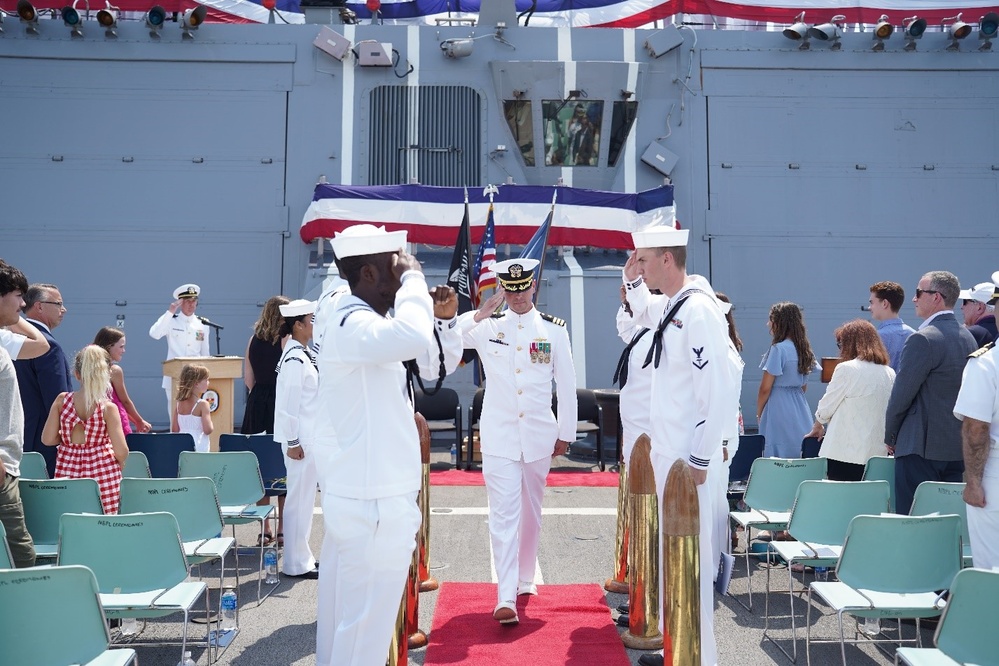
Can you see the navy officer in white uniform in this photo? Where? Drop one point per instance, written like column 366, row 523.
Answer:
column 367, row 448
column 185, row 334
column 522, row 351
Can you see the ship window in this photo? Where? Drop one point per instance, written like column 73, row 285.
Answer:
column 572, row 131
column 622, row 119
column 521, row 121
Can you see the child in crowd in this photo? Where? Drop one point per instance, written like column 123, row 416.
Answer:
column 192, row 414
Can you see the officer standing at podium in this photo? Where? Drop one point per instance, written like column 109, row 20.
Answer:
column 185, row 334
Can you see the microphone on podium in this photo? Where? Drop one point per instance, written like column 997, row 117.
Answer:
column 208, row 322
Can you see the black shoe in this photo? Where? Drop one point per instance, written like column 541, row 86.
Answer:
column 624, row 608
column 622, row 620
column 651, row 660
column 310, row 575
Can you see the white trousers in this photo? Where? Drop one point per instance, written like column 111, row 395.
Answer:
column 707, row 499
column 366, row 556
column 983, row 524
column 299, row 503
column 718, row 471
column 515, row 489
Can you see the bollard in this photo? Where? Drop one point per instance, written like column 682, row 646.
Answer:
column 643, row 552
column 398, row 651
column 682, row 566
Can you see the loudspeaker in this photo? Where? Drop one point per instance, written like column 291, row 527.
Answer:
column 664, row 41
column 660, row 158
column 332, row 42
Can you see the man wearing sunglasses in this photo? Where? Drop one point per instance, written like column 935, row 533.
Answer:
column 920, row 428
column 979, row 310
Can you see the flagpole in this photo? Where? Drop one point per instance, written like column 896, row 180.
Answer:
column 544, row 245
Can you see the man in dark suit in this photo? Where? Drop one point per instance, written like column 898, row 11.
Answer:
column 42, row 379
column 920, row 427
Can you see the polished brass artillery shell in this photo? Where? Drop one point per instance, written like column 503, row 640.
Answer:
column 682, row 566
column 427, row 582
column 398, row 654
column 643, row 552
column 618, row 583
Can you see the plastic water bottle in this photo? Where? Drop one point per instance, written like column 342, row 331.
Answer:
column 454, row 455
column 187, row 660
column 872, row 627
column 228, row 622
column 271, row 567
column 822, row 573
column 129, row 626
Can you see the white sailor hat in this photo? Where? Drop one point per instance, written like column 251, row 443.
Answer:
column 364, row 239
column 660, row 236
column 297, row 308
column 187, row 291
column 995, row 277
column 983, row 293
column 515, row 274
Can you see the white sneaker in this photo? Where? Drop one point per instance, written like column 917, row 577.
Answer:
column 527, row 587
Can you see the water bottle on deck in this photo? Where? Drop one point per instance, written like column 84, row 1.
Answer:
column 454, row 456
column 821, row 574
column 271, row 567
column 129, row 626
column 187, row 660
column 228, row 622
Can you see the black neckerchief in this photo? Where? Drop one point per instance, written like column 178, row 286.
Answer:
column 656, row 350
column 621, row 373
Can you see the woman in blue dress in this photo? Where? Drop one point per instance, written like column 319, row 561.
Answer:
column 781, row 408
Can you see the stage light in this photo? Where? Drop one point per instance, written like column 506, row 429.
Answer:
column 191, row 19
column 988, row 26
column 71, row 19
column 798, row 31
column 828, row 32
column 29, row 15
column 913, row 27
column 958, row 30
column 108, row 19
column 154, row 21
column 882, row 31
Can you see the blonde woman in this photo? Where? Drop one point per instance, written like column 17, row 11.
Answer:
column 86, row 426
column 190, row 413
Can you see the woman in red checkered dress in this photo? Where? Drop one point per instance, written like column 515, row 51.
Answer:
column 86, row 426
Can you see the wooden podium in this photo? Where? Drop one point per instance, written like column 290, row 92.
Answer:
column 222, row 370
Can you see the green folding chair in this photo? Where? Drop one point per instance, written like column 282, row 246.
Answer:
column 882, row 468
column 139, row 563
column 54, row 617
column 937, row 497
column 770, row 492
column 967, row 628
column 45, row 502
column 193, row 503
column 33, row 466
column 136, row 466
column 819, row 520
column 239, row 485
column 891, row 567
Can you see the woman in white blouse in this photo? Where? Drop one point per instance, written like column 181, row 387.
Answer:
column 850, row 419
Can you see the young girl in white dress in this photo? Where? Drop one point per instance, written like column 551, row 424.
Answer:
column 191, row 414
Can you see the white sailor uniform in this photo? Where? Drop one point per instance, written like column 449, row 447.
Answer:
column 636, row 418
column 186, row 336
column 295, row 410
column 979, row 400
column 692, row 412
column 521, row 355
column 368, row 459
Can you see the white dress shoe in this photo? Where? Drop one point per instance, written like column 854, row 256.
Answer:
column 527, row 587
column 506, row 613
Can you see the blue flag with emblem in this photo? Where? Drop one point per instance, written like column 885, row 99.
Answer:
column 535, row 248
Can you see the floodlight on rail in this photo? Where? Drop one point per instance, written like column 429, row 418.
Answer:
column 798, row 31
column 882, row 31
column 829, row 32
column 957, row 31
column 988, row 26
column 107, row 18
column 913, row 29
column 191, row 19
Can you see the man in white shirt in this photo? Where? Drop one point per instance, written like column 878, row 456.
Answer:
column 695, row 390
column 522, row 351
column 185, row 334
column 367, row 446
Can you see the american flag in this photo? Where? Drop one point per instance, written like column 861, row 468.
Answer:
column 486, row 257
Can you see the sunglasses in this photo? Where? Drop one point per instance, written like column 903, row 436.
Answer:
column 920, row 292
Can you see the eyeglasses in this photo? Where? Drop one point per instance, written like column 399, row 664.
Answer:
column 58, row 303
column 920, row 292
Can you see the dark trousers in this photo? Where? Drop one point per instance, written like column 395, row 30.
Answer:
column 837, row 470
column 912, row 470
column 12, row 516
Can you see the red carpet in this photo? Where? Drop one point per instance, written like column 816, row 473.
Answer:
column 455, row 477
column 564, row 624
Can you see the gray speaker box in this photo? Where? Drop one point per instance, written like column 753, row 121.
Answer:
column 664, row 41
column 660, row 158
column 332, row 42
